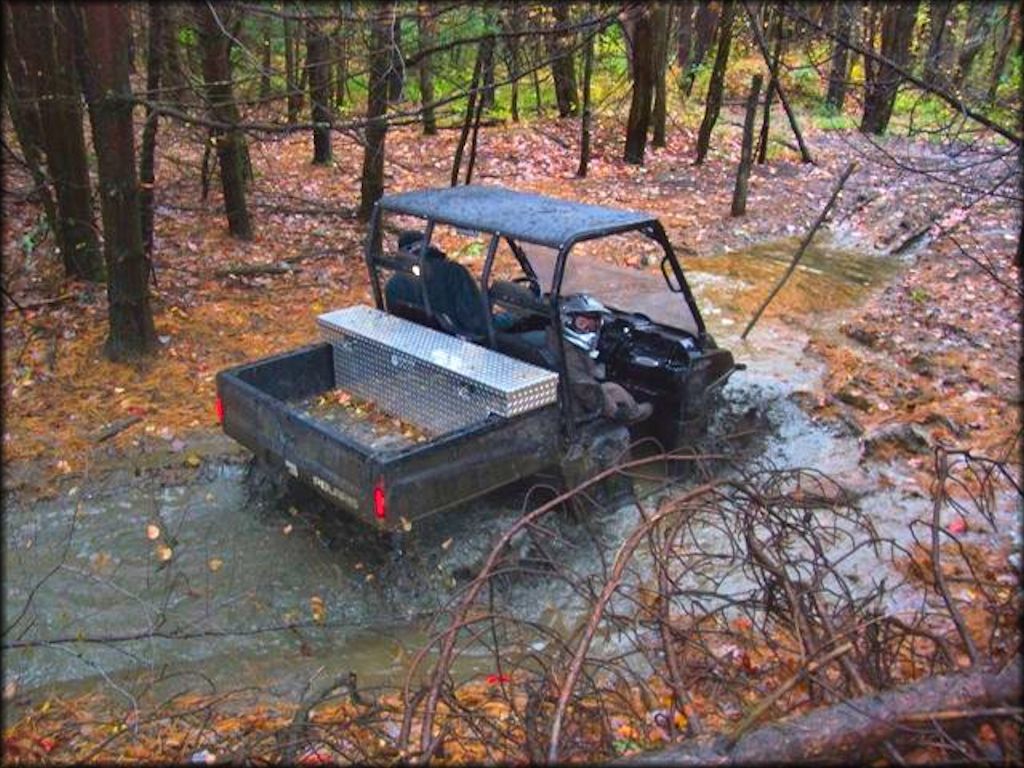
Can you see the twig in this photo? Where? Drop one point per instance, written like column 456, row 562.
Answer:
column 803, row 246
column 116, row 428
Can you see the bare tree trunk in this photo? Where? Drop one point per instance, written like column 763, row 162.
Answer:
column 23, row 107
column 562, row 69
column 881, row 81
column 705, row 24
column 372, row 180
column 588, row 67
column 427, row 29
column 45, row 41
column 639, row 118
column 147, row 161
column 838, row 74
column 739, row 194
column 661, row 23
column 265, row 60
column 1011, row 25
column 512, row 48
column 467, row 121
column 713, row 103
column 762, row 141
column 220, row 99
column 294, row 98
column 108, row 92
column 396, row 67
column 176, row 88
column 805, row 153
column 341, row 55
column 318, row 60
column 979, row 27
column 487, row 71
column 938, row 60
column 684, row 35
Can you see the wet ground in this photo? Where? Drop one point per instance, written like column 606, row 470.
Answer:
column 199, row 577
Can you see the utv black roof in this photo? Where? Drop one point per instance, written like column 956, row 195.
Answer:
column 520, row 215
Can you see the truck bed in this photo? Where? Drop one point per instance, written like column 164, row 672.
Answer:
column 271, row 407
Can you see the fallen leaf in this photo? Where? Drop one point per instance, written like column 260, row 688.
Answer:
column 152, row 531
column 215, row 564
column 164, row 553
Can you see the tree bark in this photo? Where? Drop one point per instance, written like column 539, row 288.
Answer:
column 1011, row 25
column 881, row 81
column 427, row 30
column 109, row 96
column 562, row 69
column 46, row 45
column 341, row 55
column 661, row 23
column 739, row 194
column 588, row 68
column 684, row 35
column 372, row 179
column 839, row 68
column 638, row 122
column 318, row 59
column 858, row 729
column 265, row 60
column 713, row 102
column 147, row 160
column 176, row 88
column 221, row 103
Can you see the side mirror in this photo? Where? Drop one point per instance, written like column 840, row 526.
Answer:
column 670, row 276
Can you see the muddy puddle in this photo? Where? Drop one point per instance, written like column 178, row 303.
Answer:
column 195, row 580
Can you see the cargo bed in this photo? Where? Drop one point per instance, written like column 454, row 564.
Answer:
column 269, row 406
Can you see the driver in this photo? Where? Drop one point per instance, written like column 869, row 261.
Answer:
column 582, row 318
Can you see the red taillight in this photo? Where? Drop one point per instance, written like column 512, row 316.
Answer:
column 379, row 505
column 218, row 408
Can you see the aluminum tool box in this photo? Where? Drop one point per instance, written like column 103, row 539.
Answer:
column 436, row 381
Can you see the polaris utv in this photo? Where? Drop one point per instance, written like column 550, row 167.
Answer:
column 456, row 382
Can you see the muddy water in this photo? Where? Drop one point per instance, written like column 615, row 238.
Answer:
column 197, row 578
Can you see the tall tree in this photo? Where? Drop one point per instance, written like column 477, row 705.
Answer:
column 291, row 66
column 684, row 40
column 147, row 160
column 220, row 99
column 562, row 69
column 641, row 34
column 662, row 26
column 839, row 66
column 318, row 59
column 586, row 118
column 512, row 18
column 427, row 28
column 713, row 102
column 704, row 26
column 981, row 16
column 109, row 96
column 881, row 81
column 372, row 180
column 45, row 42
column 938, row 61
column 487, row 68
column 396, row 67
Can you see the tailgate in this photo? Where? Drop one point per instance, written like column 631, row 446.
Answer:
column 380, row 485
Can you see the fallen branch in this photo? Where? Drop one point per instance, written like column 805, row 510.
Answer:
column 803, row 246
column 856, row 729
column 116, row 428
column 252, row 270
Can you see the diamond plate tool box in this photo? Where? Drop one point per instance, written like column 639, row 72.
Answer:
column 435, row 381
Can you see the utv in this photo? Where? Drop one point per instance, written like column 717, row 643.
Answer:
column 462, row 362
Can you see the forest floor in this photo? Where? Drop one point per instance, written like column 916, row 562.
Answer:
column 931, row 359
